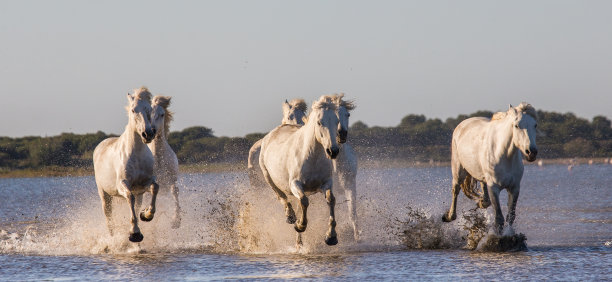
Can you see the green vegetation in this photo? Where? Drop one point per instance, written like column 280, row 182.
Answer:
column 415, row 139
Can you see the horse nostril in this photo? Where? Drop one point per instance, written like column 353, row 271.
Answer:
column 144, row 135
column 527, row 152
column 328, row 151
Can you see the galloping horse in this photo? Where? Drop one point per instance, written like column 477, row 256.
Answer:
column 297, row 160
column 490, row 151
column 345, row 165
column 166, row 164
column 293, row 113
column 124, row 165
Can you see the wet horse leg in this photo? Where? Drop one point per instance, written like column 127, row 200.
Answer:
column 349, row 184
column 135, row 235
column 331, row 238
column 148, row 213
column 513, row 195
column 485, row 202
column 107, row 206
column 494, row 190
column 176, row 221
column 298, row 191
column 289, row 213
column 459, row 176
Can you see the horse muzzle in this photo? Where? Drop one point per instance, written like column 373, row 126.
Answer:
column 530, row 154
column 333, row 152
column 148, row 135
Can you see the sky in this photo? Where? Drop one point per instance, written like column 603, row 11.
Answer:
column 66, row 66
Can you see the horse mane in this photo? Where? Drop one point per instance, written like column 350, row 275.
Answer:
column 325, row 103
column 299, row 104
column 142, row 93
column 348, row 104
column 523, row 107
column 164, row 102
column 527, row 109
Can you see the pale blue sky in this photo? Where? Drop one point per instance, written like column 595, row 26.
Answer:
column 65, row 66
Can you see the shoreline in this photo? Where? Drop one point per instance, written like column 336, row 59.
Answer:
column 57, row 171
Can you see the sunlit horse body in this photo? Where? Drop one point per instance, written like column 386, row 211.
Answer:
column 345, row 165
column 490, row 151
column 293, row 113
column 166, row 167
column 124, row 165
column 297, row 160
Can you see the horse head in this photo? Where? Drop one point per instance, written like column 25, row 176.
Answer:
column 294, row 112
column 139, row 113
column 326, row 127
column 344, row 108
column 524, row 126
column 160, row 115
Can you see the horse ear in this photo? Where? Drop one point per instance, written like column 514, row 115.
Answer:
column 130, row 97
column 286, row 106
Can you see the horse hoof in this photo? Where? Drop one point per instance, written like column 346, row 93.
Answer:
column 483, row 205
column 136, row 237
column 143, row 217
column 446, row 219
column 291, row 219
column 330, row 241
column 299, row 228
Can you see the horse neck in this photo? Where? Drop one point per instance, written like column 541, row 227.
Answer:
column 503, row 139
column 159, row 144
column 130, row 139
column 307, row 141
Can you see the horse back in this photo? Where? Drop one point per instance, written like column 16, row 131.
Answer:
column 467, row 146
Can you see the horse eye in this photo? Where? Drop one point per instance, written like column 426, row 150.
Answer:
column 319, row 122
column 348, row 115
column 133, row 111
column 162, row 115
column 535, row 126
column 516, row 126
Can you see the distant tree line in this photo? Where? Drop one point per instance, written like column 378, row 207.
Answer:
column 416, row 138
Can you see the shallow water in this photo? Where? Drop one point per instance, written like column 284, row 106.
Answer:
column 54, row 228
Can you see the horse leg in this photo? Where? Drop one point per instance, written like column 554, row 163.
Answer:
column 298, row 192
column 176, row 221
column 513, row 195
column 485, row 202
column 138, row 202
column 331, row 238
column 458, row 177
column 289, row 213
column 107, row 206
column 499, row 217
column 148, row 213
column 349, row 183
column 124, row 190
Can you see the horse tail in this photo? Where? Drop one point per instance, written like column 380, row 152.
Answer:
column 469, row 187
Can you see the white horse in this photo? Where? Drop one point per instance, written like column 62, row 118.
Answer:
column 297, row 160
column 490, row 151
column 294, row 113
column 345, row 165
column 166, row 164
column 123, row 165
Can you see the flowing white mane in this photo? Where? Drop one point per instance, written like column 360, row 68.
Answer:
column 523, row 107
column 164, row 102
column 299, row 104
column 142, row 93
column 348, row 104
column 325, row 103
